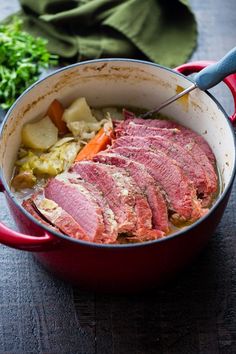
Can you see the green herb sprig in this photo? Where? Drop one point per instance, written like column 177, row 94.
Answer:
column 22, row 58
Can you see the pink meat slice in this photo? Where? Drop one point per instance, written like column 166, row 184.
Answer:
column 79, row 203
column 111, row 228
column 133, row 129
column 131, row 209
column 144, row 230
column 146, row 183
column 179, row 189
column 59, row 217
column 163, row 123
column 29, row 206
column 119, row 202
column 184, row 159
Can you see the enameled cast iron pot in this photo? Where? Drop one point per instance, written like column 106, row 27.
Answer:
column 117, row 82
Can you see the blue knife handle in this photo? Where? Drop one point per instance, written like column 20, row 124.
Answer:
column 215, row 73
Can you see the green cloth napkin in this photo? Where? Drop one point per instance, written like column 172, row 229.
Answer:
column 163, row 31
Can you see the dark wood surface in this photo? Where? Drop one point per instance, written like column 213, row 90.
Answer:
column 195, row 313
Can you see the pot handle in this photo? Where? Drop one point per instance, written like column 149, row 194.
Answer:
column 197, row 66
column 20, row 241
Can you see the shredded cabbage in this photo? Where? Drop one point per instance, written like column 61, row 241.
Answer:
column 85, row 131
column 58, row 159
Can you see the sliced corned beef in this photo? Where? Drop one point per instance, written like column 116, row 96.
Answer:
column 29, row 206
column 144, row 230
column 171, row 178
column 131, row 209
column 111, row 228
column 79, row 203
column 184, row 159
column 59, row 217
column 163, row 123
column 146, row 183
column 116, row 195
column 179, row 138
column 131, row 128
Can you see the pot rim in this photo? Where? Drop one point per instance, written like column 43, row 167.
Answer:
column 132, row 245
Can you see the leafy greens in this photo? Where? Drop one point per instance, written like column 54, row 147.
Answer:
column 22, row 58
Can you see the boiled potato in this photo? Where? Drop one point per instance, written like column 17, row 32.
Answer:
column 39, row 135
column 79, row 110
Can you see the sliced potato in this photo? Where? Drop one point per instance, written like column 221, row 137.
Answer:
column 77, row 111
column 39, row 135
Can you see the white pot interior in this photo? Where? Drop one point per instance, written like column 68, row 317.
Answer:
column 121, row 83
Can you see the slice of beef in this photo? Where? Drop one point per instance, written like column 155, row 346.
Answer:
column 145, row 182
column 79, row 203
column 144, row 230
column 179, row 189
column 116, row 195
column 131, row 128
column 163, row 123
column 110, row 224
column 29, row 206
column 130, row 207
column 178, row 138
column 184, row 159
column 59, row 217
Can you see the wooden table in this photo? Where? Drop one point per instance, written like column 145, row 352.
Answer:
column 195, row 313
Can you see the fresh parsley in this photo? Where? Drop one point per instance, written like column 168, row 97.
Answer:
column 22, row 58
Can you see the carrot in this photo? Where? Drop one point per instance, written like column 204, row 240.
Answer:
column 55, row 112
column 101, row 140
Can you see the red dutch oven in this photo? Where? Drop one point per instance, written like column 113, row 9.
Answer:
column 119, row 82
